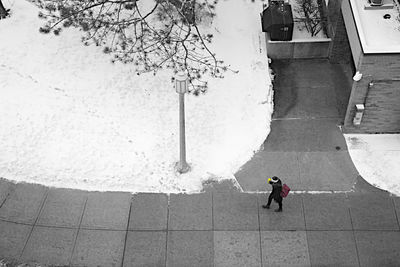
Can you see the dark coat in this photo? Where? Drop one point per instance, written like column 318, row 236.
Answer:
column 276, row 190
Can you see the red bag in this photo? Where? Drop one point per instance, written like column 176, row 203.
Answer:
column 285, row 190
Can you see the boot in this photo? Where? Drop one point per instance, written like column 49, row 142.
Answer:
column 265, row 206
column 278, row 210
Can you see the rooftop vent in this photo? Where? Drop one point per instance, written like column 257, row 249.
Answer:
column 375, row 2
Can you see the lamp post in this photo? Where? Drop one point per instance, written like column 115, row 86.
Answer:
column 181, row 86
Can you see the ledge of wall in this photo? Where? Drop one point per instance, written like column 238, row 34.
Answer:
column 296, row 49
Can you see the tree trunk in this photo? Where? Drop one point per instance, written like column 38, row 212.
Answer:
column 3, row 11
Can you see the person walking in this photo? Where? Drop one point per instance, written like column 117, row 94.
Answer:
column 275, row 194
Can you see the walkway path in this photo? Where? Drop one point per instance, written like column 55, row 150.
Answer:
column 222, row 227
column 305, row 147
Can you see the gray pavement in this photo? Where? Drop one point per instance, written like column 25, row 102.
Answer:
column 207, row 229
column 305, row 147
column 350, row 223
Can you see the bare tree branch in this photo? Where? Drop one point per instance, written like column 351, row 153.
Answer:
column 150, row 34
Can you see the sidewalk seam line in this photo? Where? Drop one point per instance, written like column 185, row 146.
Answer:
column 126, row 233
column 395, row 213
column 305, row 230
column 259, row 231
column 304, row 213
column 298, row 166
column 167, row 231
column 212, row 210
column 212, row 226
column 4, row 200
column 11, row 189
column 9, row 221
column 34, row 223
column 77, row 232
column 352, row 226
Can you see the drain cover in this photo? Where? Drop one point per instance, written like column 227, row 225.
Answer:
column 386, row 16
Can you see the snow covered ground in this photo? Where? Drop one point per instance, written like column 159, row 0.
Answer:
column 377, row 159
column 69, row 118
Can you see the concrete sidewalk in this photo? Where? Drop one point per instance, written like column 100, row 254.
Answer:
column 61, row 227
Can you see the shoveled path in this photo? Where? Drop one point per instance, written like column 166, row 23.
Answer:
column 222, row 227
column 305, row 147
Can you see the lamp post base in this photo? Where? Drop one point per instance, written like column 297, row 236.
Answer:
column 182, row 167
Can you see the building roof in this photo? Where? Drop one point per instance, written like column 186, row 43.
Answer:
column 377, row 34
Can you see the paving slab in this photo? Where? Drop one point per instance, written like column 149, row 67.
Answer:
column 284, row 248
column 98, row 248
column 149, row 212
column 253, row 175
column 13, row 237
column 190, row 212
column 108, row 210
column 304, row 135
column 378, row 248
column 6, row 187
column 286, row 135
column 63, row 207
column 292, row 217
column 372, row 212
column 326, row 212
column 24, row 204
column 190, row 248
column 327, row 136
column 309, row 73
column 317, row 101
column 320, row 171
column 237, row 248
column 147, row 248
column 235, row 211
column 50, row 246
column 332, row 248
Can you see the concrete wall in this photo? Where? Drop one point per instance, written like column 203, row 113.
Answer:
column 352, row 34
column 333, row 15
column 381, row 100
column 297, row 49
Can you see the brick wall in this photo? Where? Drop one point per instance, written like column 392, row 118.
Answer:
column 333, row 13
column 339, row 51
column 381, row 100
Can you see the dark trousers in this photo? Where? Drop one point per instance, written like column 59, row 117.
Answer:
column 277, row 200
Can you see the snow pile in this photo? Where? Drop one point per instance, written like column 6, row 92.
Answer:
column 70, row 118
column 377, row 158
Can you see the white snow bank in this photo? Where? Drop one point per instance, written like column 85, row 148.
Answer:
column 69, row 118
column 377, row 158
